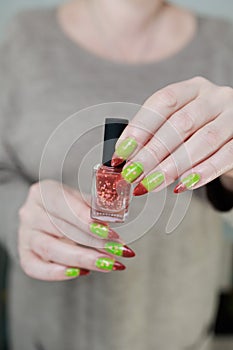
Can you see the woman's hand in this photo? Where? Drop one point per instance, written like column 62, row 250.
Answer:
column 46, row 253
column 185, row 129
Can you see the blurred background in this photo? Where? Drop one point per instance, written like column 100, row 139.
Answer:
column 224, row 320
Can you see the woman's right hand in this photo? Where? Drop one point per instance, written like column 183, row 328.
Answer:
column 44, row 249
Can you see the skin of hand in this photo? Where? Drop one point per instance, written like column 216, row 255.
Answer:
column 45, row 251
column 183, row 130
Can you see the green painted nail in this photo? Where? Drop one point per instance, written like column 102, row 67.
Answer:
column 105, row 263
column 153, row 180
column 114, row 248
column 72, row 272
column 132, row 171
column 126, row 148
column 99, row 229
column 191, row 180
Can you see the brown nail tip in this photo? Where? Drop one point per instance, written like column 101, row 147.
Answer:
column 117, row 161
column 113, row 234
column 180, row 188
column 84, row 272
column 140, row 190
column 118, row 266
column 127, row 252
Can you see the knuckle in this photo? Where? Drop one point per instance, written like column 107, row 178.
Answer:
column 167, row 96
column 155, row 148
column 43, row 185
column 184, row 120
column 211, row 135
column 200, row 80
column 22, row 213
column 48, row 182
column 34, row 189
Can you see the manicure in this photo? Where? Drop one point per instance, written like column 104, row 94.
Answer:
column 109, row 264
column 119, row 249
column 124, row 150
column 103, row 231
column 117, row 161
column 187, row 183
column 74, row 272
column 132, row 171
column 149, row 183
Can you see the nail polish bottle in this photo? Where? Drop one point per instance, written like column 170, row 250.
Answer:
column 110, row 192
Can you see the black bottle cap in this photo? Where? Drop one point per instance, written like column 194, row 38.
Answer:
column 113, row 130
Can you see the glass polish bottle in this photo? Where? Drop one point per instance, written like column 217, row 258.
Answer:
column 110, row 192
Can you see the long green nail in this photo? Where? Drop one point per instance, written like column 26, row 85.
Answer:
column 132, row 171
column 126, row 148
column 99, row 229
column 72, row 272
column 153, row 180
column 114, row 248
column 191, row 180
column 119, row 249
column 105, row 263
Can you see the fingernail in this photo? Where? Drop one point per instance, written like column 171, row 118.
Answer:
column 103, row 231
column 125, row 148
column 75, row 272
column 117, row 161
column 72, row 272
column 119, row 249
column 118, row 266
column 149, row 183
column 187, row 183
column 84, row 272
column 109, row 264
column 132, row 171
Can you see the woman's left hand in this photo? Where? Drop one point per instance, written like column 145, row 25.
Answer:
column 184, row 130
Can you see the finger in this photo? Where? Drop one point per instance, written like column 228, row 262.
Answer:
column 180, row 126
column 34, row 267
column 218, row 164
column 70, row 207
column 155, row 111
column 40, row 220
column 195, row 150
column 53, row 249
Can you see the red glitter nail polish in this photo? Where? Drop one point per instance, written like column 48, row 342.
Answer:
column 84, row 272
column 140, row 190
column 118, row 266
column 127, row 252
column 110, row 192
column 117, row 161
column 180, row 188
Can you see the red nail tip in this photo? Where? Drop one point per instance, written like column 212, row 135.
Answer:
column 84, row 272
column 117, row 161
column 113, row 235
column 180, row 188
column 127, row 252
column 140, row 190
column 118, row 266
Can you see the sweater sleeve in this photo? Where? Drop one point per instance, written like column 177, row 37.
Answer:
column 13, row 185
column 220, row 197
